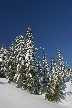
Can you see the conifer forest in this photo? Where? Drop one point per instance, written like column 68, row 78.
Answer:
column 20, row 65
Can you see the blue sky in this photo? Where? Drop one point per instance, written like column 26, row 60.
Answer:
column 50, row 20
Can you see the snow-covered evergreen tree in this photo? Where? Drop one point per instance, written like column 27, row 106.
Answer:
column 54, row 70
column 61, row 66
column 3, row 60
column 30, row 58
column 29, row 47
column 1, row 66
column 45, row 73
column 61, row 71
column 20, row 49
column 51, row 83
column 21, row 78
column 11, row 64
column 54, row 88
column 32, row 80
column 50, row 87
column 68, row 70
column 39, row 75
column 20, row 53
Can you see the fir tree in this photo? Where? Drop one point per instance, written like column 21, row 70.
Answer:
column 37, row 78
column 1, row 65
column 61, row 71
column 11, row 65
column 61, row 66
column 54, row 88
column 30, row 58
column 51, row 83
column 45, row 73
column 32, row 80
column 39, row 75
column 68, row 69
column 58, row 93
column 3, row 61
column 20, row 53
column 21, row 80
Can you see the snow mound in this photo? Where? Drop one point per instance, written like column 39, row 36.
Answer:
column 12, row 97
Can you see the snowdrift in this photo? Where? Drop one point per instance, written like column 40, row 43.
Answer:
column 12, row 97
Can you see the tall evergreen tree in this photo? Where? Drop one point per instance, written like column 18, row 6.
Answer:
column 11, row 64
column 67, row 69
column 1, row 66
column 21, row 78
column 32, row 80
column 45, row 73
column 3, row 61
column 20, row 49
column 30, row 58
column 54, row 88
column 39, row 75
column 20, row 53
column 61, row 71
column 50, row 87
column 61, row 66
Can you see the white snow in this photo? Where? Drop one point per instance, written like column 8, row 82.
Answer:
column 68, row 99
column 12, row 97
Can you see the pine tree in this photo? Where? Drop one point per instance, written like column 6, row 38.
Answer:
column 10, row 71
column 32, row 80
column 54, row 88
column 45, row 73
column 29, row 47
column 37, row 78
column 61, row 67
column 58, row 93
column 30, row 58
column 61, row 71
column 1, row 65
column 3, row 61
column 21, row 80
column 39, row 75
column 51, row 83
column 2, row 74
column 68, row 69
column 11, row 64
column 20, row 53
column 20, row 49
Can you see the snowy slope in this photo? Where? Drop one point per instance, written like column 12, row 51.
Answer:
column 68, row 98
column 12, row 97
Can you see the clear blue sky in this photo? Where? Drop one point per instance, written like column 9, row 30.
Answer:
column 50, row 20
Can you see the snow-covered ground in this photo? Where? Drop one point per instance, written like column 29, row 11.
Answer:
column 68, row 98
column 12, row 97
